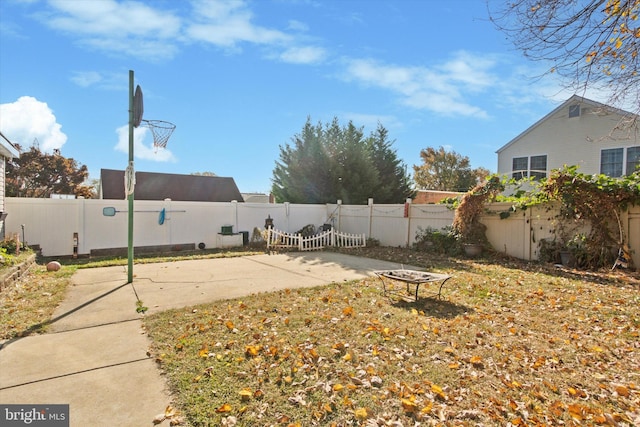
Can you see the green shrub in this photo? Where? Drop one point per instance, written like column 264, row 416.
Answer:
column 10, row 246
column 437, row 241
column 5, row 257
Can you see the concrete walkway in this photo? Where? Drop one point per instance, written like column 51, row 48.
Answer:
column 94, row 357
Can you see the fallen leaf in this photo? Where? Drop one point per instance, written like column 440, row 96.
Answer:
column 224, row 408
column 245, row 394
column 622, row 391
column 361, row 413
column 409, row 405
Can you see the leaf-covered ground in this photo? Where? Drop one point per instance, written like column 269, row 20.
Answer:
column 27, row 304
column 509, row 344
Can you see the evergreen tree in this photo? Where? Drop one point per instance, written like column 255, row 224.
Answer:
column 326, row 163
column 303, row 172
column 394, row 182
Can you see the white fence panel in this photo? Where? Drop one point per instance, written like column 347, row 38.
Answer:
column 51, row 223
column 508, row 235
column 280, row 239
column 302, row 215
column 422, row 217
column 347, row 240
column 389, row 225
column 54, row 222
column 353, row 218
column 633, row 233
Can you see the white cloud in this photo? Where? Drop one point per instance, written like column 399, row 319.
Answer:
column 142, row 145
column 304, row 55
column 296, row 25
column 103, row 80
column 28, row 120
column 131, row 27
column 86, row 78
column 138, row 29
column 439, row 89
column 228, row 24
column 113, row 19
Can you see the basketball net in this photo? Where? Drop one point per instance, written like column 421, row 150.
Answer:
column 160, row 130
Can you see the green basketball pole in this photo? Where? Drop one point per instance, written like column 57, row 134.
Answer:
column 130, row 196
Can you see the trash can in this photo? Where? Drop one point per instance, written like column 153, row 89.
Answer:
column 245, row 238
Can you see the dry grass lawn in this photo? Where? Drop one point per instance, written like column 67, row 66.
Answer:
column 27, row 304
column 509, row 344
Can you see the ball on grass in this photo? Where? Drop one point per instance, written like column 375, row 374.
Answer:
column 53, row 266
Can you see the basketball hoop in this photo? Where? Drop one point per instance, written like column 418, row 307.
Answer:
column 160, row 130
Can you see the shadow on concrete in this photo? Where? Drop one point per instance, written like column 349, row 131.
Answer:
column 39, row 326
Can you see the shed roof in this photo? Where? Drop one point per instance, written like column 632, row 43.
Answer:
column 160, row 186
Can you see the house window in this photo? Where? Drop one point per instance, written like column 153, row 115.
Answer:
column 574, row 111
column 633, row 159
column 534, row 167
column 538, row 167
column 520, row 167
column 611, row 162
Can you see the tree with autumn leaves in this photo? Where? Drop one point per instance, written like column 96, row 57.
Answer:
column 592, row 44
column 38, row 174
column 443, row 170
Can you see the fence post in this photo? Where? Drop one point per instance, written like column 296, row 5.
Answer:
column 370, row 203
column 286, row 214
column 300, row 245
column 407, row 210
column 339, row 213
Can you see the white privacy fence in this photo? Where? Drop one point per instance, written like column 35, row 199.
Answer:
column 52, row 224
column 321, row 240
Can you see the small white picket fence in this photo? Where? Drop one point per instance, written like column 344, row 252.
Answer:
column 279, row 239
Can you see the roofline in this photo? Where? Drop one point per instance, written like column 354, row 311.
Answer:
column 9, row 151
column 572, row 99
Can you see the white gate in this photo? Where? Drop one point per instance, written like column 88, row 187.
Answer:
column 280, row 239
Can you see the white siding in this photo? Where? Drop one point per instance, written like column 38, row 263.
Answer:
column 570, row 141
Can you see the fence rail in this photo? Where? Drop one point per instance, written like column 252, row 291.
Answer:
column 281, row 239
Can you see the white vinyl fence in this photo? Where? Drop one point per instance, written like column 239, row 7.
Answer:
column 52, row 224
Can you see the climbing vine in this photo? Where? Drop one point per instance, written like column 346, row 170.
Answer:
column 466, row 221
column 587, row 202
column 596, row 201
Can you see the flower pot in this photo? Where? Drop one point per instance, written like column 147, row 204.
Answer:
column 472, row 249
column 567, row 259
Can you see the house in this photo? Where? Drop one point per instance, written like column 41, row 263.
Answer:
column 433, row 196
column 161, row 186
column 593, row 136
column 8, row 151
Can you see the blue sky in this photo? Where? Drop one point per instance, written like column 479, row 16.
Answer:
column 239, row 79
